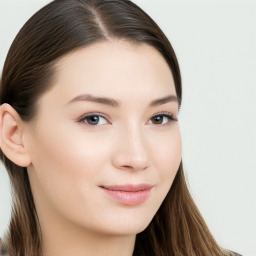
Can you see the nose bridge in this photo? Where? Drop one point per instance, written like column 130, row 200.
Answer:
column 131, row 151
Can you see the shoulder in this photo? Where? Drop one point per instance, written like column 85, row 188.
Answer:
column 3, row 251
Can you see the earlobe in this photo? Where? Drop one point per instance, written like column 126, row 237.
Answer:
column 11, row 136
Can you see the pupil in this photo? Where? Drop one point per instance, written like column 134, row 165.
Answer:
column 158, row 119
column 94, row 119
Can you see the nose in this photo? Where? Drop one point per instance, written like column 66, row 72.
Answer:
column 131, row 150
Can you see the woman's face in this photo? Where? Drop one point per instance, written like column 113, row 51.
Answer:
column 101, row 129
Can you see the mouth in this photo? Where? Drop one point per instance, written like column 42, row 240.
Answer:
column 129, row 194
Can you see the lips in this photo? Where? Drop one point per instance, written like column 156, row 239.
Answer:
column 129, row 187
column 129, row 194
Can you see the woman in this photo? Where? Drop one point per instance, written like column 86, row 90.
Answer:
column 90, row 94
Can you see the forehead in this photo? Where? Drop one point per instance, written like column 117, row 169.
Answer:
column 117, row 69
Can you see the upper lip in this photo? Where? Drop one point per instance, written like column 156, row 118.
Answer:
column 129, row 187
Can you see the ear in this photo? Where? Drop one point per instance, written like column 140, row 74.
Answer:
column 11, row 136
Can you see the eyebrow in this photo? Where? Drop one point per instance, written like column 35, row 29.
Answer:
column 116, row 104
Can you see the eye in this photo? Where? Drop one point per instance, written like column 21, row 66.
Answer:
column 93, row 120
column 97, row 120
column 163, row 119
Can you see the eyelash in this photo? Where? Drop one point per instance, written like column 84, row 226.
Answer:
column 170, row 117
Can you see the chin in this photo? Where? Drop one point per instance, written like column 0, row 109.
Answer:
column 130, row 226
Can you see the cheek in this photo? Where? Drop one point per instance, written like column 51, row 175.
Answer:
column 66, row 165
column 168, row 155
column 168, row 160
column 69, row 158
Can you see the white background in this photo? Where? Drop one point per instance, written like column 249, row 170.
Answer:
column 215, row 42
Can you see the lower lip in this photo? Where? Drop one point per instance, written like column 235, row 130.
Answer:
column 128, row 197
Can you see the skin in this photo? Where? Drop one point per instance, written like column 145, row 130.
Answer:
column 68, row 159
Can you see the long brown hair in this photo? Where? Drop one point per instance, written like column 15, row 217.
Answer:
column 57, row 29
